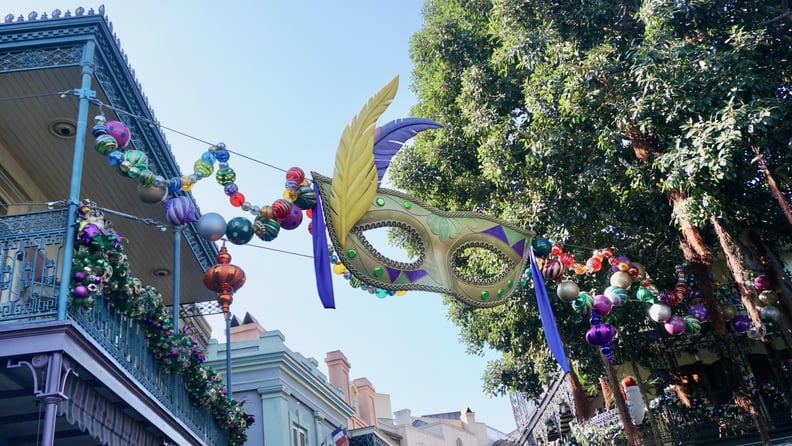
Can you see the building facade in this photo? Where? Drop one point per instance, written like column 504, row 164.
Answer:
column 77, row 368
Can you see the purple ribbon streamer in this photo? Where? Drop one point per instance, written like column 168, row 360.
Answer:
column 324, row 276
column 546, row 314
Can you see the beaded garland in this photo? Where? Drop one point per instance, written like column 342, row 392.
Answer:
column 112, row 138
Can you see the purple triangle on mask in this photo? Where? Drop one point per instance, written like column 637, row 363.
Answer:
column 519, row 247
column 393, row 274
column 498, row 232
column 416, row 275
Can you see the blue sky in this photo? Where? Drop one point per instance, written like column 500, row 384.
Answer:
column 277, row 82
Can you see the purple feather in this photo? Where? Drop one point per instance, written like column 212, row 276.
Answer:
column 389, row 138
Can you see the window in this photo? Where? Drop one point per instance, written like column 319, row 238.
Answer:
column 459, row 442
column 299, row 436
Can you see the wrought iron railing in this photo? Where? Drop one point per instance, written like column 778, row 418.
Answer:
column 31, row 253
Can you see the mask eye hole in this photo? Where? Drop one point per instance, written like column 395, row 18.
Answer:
column 395, row 234
column 480, row 263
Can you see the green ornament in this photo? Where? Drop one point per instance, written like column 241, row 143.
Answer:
column 225, row 176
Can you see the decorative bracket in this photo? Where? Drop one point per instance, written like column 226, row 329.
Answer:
column 52, row 368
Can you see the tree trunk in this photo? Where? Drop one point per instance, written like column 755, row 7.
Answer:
column 772, row 184
column 694, row 248
column 632, row 434
column 734, row 262
column 652, row 422
column 583, row 409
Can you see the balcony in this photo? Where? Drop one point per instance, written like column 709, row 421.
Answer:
column 106, row 355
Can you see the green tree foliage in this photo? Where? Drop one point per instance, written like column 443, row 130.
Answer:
column 576, row 120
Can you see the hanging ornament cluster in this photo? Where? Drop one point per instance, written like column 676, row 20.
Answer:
column 285, row 213
column 340, row 269
column 685, row 297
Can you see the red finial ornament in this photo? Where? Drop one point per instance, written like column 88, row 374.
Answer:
column 224, row 279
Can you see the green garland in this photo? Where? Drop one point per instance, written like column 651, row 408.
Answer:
column 100, row 267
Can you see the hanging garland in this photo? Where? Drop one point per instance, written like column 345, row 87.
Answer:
column 100, row 267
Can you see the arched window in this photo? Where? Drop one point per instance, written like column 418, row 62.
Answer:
column 459, row 442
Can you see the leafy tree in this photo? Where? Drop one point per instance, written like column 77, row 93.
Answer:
column 661, row 128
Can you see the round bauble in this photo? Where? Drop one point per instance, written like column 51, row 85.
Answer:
column 770, row 312
column 728, row 311
column 151, row 194
column 180, row 211
column 659, row 312
column 553, row 269
column 211, row 226
column 266, row 229
column 741, row 323
column 567, row 291
column 756, row 332
column 292, row 219
column 616, row 294
column 761, row 283
column 675, row 325
column 768, row 297
column 541, row 246
column 602, row 304
column 239, row 230
column 621, row 279
column 583, row 303
column 119, row 131
column 699, row 312
column 692, row 325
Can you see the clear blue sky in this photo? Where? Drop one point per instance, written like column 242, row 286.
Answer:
column 278, row 81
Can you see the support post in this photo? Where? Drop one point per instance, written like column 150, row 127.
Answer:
column 177, row 233
column 228, row 353
column 86, row 94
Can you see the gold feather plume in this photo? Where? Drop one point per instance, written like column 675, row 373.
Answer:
column 355, row 175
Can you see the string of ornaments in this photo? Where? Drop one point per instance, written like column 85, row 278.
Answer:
column 112, row 139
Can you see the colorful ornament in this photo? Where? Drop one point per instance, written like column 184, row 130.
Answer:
column 583, row 303
column 768, row 297
column 541, row 246
column 741, row 323
column 266, row 229
column 699, row 311
column 660, row 312
column 119, row 131
column 306, row 197
column 770, row 312
column 567, row 291
column 151, row 194
column 106, row 144
column 644, row 294
column 280, row 208
column 602, row 304
column 617, row 295
column 180, row 211
column 553, row 270
column 621, row 279
column 675, row 325
column 211, row 226
column 239, row 230
column 728, row 311
column 761, row 283
column 292, row 219
column 600, row 334
column 692, row 325
column 594, row 264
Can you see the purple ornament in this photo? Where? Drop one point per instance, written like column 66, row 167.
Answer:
column 230, row 189
column 600, row 334
column 80, row 291
column 180, row 211
column 80, row 275
column 292, row 219
column 88, row 233
column 741, row 323
column 699, row 312
column 119, row 131
column 602, row 304
column 762, row 283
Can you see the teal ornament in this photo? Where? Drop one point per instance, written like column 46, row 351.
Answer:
column 239, row 230
column 645, row 295
column 541, row 246
column 382, row 294
column 211, row 226
column 266, row 229
column 306, row 197
column 692, row 325
column 136, row 158
column 583, row 303
column 617, row 295
column 106, row 144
